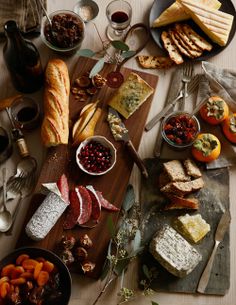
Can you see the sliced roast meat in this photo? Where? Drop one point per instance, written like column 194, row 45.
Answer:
column 86, row 205
column 96, row 205
column 105, row 203
column 73, row 211
column 63, row 187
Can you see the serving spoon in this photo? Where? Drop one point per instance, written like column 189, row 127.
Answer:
column 5, row 215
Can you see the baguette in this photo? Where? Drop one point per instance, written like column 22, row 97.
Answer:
column 55, row 126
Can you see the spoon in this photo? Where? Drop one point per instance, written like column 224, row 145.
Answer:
column 46, row 14
column 5, row 215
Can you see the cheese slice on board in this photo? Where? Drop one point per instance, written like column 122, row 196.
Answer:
column 176, row 12
column 216, row 24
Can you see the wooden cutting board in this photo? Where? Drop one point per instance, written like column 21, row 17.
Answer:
column 61, row 159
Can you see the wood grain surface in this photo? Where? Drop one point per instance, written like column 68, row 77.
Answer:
column 61, row 159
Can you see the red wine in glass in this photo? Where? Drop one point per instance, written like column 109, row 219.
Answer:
column 119, row 17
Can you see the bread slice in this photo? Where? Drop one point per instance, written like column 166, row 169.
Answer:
column 183, row 188
column 171, row 48
column 177, row 202
column 175, row 171
column 155, row 62
column 163, row 179
column 175, row 12
column 192, row 169
column 180, row 47
column 131, row 95
column 216, row 24
column 185, row 39
column 197, row 39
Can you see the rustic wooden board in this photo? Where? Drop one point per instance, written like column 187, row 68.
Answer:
column 113, row 185
column 213, row 198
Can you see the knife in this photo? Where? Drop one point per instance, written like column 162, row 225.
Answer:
column 219, row 236
column 120, row 133
column 174, row 89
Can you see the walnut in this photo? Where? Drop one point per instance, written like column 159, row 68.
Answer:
column 87, row 266
column 67, row 257
column 68, row 242
column 81, row 254
column 85, row 241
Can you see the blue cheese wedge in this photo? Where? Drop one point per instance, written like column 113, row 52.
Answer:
column 193, row 227
column 173, row 252
column 131, row 95
column 216, row 24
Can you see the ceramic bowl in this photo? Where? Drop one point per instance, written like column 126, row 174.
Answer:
column 87, row 9
column 180, row 129
column 64, row 282
column 58, row 43
column 97, row 158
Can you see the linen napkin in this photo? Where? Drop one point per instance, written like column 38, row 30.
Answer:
column 27, row 14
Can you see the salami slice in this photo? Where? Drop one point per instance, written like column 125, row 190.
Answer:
column 105, row 203
column 96, row 205
column 86, row 205
column 73, row 212
column 63, row 186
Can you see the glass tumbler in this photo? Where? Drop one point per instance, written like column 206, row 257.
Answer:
column 119, row 13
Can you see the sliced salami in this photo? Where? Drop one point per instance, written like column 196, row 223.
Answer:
column 86, row 205
column 63, row 187
column 105, row 203
column 96, row 205
column 73, row 212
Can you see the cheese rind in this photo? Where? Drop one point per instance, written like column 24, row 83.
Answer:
column 176, row 12
column 131, row 95
column 216, row 24
column 173, row 252
column 193, row 227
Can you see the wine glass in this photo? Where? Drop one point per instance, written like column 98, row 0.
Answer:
column 119, row 14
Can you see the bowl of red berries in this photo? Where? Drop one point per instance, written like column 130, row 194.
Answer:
column 96, row 155
column 180, row 129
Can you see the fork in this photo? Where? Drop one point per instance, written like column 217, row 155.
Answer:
column 187, row 75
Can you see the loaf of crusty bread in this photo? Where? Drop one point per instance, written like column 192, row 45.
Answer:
column 55, row 126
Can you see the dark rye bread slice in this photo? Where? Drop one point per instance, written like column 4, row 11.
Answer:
column 192, row 169
column 183, row 188
column 197, row 39
column 171, row 48
column 155, row 62
column 177, row 202
column 175, row 171
column 185, row 39
column 163, row 179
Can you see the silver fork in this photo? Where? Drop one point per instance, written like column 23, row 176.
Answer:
column 187, row 75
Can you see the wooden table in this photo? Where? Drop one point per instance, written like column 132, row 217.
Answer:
column 85, row 290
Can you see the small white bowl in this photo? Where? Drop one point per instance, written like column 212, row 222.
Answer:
column 104, row 142
column 87, row 9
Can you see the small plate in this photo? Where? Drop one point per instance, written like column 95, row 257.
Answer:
column 160, row 5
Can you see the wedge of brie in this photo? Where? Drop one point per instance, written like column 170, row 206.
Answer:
column 176, row 12
column 214, row 23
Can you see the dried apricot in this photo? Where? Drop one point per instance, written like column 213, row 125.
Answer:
column 4, row 279
column 29, row 264
column 17, row 271
column 37, row 269
column 19, row 281
column 43, row 278
column 21, row 258
column 48, row 266
column 6, row 270
column 40, row 259
column 27, row 275
column 4, row 289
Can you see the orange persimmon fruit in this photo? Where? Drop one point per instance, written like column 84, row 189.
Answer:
column 215, row 110
column 229, row 128
column 206, row 147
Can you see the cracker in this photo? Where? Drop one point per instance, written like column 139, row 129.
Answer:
column 171, row 48
column 155, row 62
column 197, row 39
column 180, row 47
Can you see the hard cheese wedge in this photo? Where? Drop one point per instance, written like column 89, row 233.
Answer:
column 176, row 12
column 131, row 95
column 214, row 23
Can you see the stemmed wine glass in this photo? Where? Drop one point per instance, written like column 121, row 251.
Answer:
column 119, row 13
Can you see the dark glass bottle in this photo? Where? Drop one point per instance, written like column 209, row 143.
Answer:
column 22, row 60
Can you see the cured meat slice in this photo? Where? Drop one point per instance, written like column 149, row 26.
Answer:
column 73, row 211
column 105, row 203
column 63, row 187
column 96, row 205
column 86, row 205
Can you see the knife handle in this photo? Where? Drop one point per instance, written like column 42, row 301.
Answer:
column 207, row 271
column 137, row 158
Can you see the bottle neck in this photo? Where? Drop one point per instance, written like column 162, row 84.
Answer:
column 13, row 34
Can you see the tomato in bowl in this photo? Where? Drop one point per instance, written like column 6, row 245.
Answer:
column 180, row 129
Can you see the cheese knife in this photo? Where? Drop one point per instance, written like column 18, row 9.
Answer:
column 219, row 236
column 120, row 133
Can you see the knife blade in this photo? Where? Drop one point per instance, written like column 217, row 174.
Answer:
column 120, row 133
column 174, row 89
column 219, row 236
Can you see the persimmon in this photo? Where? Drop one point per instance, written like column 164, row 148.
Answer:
column 206, row 147
column 215, row 110
column 229, row 128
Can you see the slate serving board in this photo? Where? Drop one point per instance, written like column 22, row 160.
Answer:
column 214, row 198
column 61, row 159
